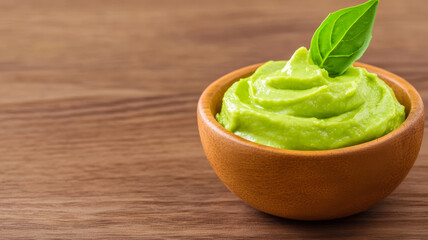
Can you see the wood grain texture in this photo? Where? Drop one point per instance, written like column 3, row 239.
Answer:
column 98, row 116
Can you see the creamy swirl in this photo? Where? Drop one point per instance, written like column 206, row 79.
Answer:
column 295, row 105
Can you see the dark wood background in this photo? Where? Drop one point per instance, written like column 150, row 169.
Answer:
column 98, row 125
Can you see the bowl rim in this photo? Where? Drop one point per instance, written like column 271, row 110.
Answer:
column 204, row 110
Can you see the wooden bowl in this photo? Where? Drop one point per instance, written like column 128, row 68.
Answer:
column 311, row 185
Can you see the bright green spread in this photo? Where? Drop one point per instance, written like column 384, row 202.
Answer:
column 295, row 105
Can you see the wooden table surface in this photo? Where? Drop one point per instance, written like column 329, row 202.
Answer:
column 98, row 124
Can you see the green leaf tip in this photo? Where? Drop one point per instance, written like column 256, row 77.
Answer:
column 343, row 37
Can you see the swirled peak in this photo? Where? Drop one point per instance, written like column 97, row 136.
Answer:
column 296, row 105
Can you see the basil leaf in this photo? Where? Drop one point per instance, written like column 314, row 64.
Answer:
column 343, row 37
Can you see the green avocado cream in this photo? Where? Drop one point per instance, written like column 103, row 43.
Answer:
column 296, row 105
